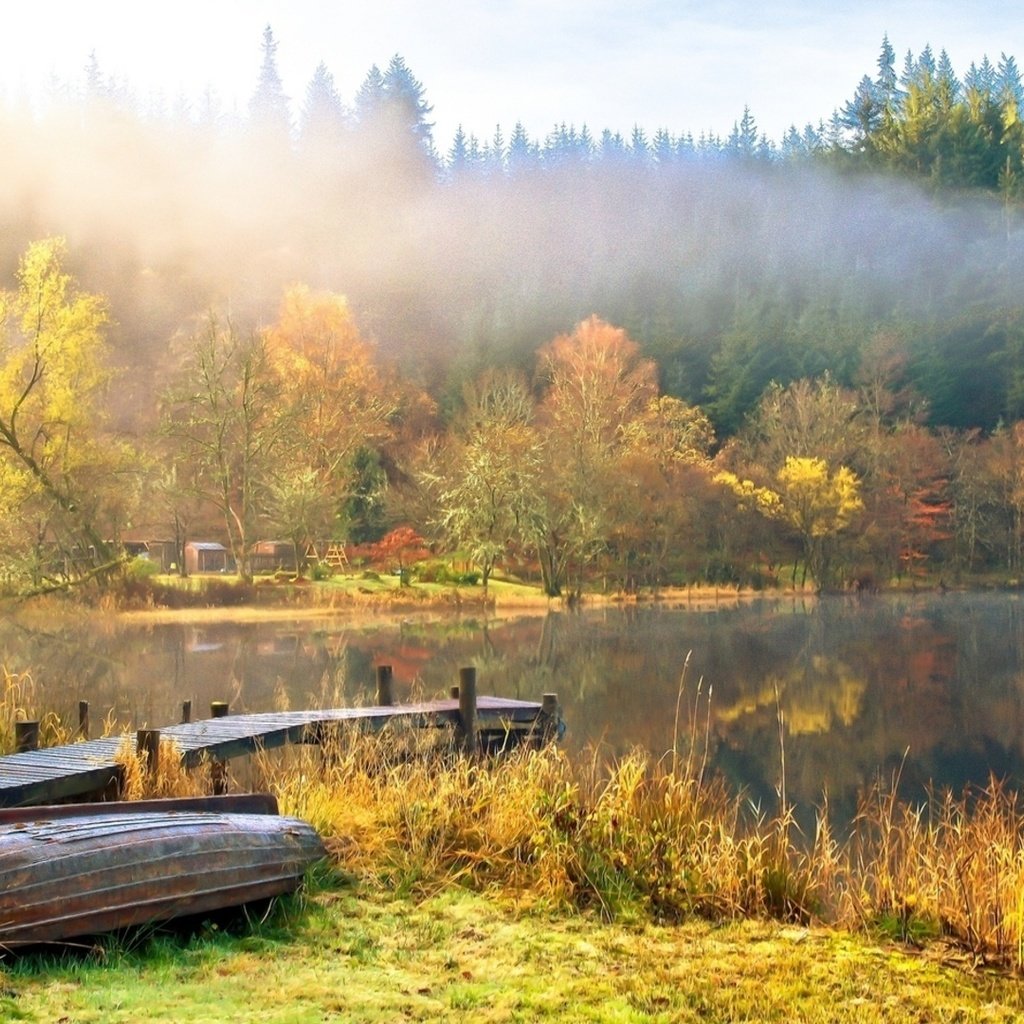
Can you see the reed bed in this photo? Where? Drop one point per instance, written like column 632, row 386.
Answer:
column 19, row 703
column 639, row 839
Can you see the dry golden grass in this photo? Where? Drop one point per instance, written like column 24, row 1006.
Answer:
column 18, row 703
column 638, row 839
column 171, row 778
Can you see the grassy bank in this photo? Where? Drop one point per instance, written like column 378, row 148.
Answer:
column 543, row 886
column 362, row 956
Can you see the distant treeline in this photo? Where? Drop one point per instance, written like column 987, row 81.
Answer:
column 878, row 256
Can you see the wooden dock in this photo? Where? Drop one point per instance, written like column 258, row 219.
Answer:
column 55, row 774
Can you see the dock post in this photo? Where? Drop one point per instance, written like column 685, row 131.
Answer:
column 467, row 708
column 385, row 686
column 83, row 719
column 549, row 718
column 147, row 746
column 26, row 736
column 218, row 770
column 186, row 712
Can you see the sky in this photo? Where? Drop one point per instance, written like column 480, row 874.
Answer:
column 674, row 64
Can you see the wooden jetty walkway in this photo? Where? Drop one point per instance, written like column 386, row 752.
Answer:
column 55, row 774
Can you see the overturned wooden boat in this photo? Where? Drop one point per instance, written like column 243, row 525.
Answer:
column 85, row 869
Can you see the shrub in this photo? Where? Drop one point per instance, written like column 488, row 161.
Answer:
column 142, row 568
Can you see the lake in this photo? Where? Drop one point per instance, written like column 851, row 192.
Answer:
column 843, row 691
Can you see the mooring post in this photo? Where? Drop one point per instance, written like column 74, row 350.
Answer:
column 549, row 717
column 83, row 719
column 26, row 736
column 467, row 708
column 385, row 686
column 186, row 712
column 147, row 746
column 218, row 770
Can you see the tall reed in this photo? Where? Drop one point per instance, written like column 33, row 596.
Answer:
column 639, row 837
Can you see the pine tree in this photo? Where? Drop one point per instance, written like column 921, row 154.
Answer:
column 1008, row 82
column 862, row 115
column 268, row 108
column 949, row 88
column 496, row 153
column 323, row 115
column 639, row 149
column 743, row 140
column 406, row 103
column 926, row 63
column 909, row 75
column 886, row 82
column 663, row 148
column 458, row 154
column 792, row 147
column 369, row 100
column 613, row 147
column 522, row 154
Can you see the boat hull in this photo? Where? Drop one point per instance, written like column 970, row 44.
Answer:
column 74, row 874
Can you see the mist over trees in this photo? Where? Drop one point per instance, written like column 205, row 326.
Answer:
column 876, row 255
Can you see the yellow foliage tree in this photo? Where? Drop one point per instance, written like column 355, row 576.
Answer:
column 817, row 503
column 59, row 471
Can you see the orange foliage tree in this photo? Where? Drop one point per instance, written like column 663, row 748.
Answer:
column 337, row 401
column 400, row 548
column 597, row 385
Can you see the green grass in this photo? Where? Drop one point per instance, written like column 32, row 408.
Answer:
column 367, row 957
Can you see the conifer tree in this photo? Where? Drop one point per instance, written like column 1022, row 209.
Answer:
column 268, row 108
column 323, row 115
column 521, row 151
column 1008, row 82
column 458, row 154
column 370, row 97
column 886, row 83
column 407, row 107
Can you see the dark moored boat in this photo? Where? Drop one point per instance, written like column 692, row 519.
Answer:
column 84, row 869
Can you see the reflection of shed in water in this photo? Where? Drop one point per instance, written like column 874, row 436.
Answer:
column 205, row 556
column 199, row 642
column 288, row 643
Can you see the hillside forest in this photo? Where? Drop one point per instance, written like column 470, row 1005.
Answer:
column 584, row 359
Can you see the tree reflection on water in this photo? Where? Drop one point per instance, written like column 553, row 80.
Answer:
column 929, row 687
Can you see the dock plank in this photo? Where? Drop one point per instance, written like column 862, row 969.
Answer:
column 77, row 769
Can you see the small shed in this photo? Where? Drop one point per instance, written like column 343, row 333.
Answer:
column 272, row 556
column 205, row 556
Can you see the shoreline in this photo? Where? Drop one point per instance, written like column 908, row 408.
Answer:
column 390, row 604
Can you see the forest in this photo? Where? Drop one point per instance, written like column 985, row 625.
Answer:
column 583, row 359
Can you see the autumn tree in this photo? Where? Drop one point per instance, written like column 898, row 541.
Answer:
column 1004, row 468
column 597, row 384
column 63, row 480
column 815, row 502
column 224, row 415
column 490, row 496
column 333, row 402
column 807, row 419
column 398, row 550
column 819, row 505
column 657, row 489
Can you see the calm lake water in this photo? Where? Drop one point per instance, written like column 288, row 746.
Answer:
column 931, row 687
